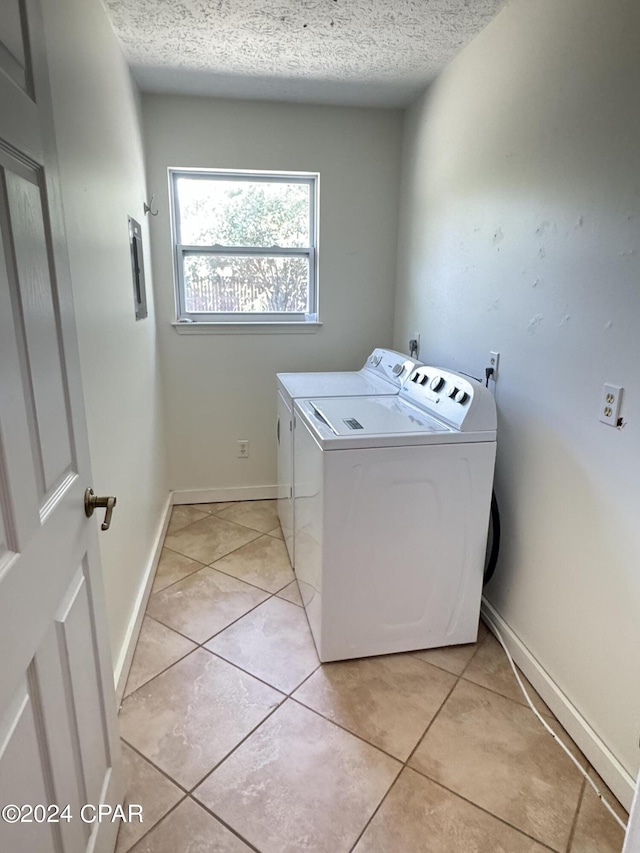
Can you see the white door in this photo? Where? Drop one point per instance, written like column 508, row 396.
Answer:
column 58, row 726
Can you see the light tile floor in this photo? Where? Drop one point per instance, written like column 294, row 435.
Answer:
column 237, row 739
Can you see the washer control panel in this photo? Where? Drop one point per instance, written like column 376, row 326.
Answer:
column 446, row 394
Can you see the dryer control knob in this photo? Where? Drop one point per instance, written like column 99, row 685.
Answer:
column 461, row 396
column 453, row 392
column 436, row 383
column 398, row 369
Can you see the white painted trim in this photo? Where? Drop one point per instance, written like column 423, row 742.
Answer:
column 128, row 647
column 599, row 755
column 233, row 493
column 632, row 838
column 290, row 328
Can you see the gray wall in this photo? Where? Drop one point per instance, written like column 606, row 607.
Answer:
column 103, row 181
column 520, row 220
column 221, row 387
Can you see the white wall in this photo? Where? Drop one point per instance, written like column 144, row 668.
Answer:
column 520, row 233
column 103, row 181
column 220, row 388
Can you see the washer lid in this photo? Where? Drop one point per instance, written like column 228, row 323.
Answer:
column 361, row 416
column 352, row 423
column 337, row 384
column 384, row 372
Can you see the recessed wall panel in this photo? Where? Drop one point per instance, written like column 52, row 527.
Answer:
column 22, row 778
column 79, row 662
column 40, row 329
column 13, row 50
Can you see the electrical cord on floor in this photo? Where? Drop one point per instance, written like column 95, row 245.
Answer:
column 584, row 773
column 489, row 570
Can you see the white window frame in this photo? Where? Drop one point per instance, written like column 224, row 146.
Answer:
column 184, row 318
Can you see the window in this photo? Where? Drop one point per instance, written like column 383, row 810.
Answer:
column 245, row 246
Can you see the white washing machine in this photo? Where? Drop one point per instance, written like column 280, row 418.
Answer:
column 392, row 502
column 384, row 372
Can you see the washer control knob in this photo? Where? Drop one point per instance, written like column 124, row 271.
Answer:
column 398, row 369
column 461, row 396
column 375, row 360
column 436, row 383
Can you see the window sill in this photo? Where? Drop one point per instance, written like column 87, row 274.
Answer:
column 289, row 328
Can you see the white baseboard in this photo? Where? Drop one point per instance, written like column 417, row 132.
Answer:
column 632, row 838
column 233, row 493
column 599, row 755
column 123, row 664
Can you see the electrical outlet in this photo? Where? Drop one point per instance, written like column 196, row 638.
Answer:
column 243, row 448
column 610, row 405
column 494, row 361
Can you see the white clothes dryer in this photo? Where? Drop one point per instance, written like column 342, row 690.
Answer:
column 383, row 373
column 392, row 500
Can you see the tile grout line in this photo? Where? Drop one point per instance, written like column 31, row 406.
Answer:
column 471, row 681
column 236, row 747
column 203, row 647
column 348, row 731
column 224, row 823
column 246, row 672
column 377, row 809
column 207, row 565
column 151, row 828
column 435, row 781
column 457, row 793
column 212, row 566
column 155, row 766
column 184, row 577
column 483, row 809
column 432, row 721
column 162, row 671
column 215, row 633
column 574, row 823
column 522, row 704
column 406, row 765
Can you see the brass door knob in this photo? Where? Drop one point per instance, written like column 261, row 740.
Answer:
column 91, row 502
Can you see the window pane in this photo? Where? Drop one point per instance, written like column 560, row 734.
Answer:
column 243, row 213
column 223, row 284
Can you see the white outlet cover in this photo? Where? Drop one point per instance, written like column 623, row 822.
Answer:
column 610, row 404
column 494, row 361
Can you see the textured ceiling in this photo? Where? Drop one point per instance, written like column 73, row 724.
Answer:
column 368, row 52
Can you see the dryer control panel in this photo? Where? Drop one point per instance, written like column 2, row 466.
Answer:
column 458, row 400
column 390, row 365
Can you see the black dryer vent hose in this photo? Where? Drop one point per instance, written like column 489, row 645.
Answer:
column 490, row 565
